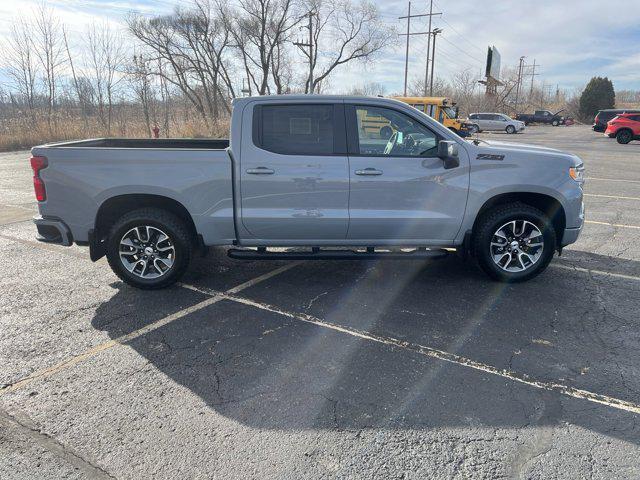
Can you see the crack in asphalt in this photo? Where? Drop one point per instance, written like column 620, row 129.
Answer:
column 51, row 444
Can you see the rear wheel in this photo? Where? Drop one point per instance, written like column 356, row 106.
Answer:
column 149, row 248
column 511, row 129
column 624, row 136
column 514, row 242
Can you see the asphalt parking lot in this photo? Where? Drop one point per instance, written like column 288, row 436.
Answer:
column 327, row 369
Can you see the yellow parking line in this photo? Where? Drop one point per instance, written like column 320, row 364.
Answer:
column 611, row 196
column 69, row 362
column 612, row 180
column 620, row 225
column 596, row 272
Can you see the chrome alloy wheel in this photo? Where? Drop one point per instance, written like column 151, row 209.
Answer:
column 516, row 246
column 147, row 252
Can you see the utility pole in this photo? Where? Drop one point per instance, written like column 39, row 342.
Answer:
column 426, row 69
column 406, row 55
column 408, row 34
column 435, row 32
column 533, row 75
column 309, row 44
column 518, row 82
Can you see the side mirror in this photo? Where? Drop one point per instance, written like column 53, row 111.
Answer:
column 448, row 152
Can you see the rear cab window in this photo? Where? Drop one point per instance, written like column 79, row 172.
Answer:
column 297, row 129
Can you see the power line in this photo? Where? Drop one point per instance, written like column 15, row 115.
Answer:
column 462, row 36
column 408, row 35
column 462, row 51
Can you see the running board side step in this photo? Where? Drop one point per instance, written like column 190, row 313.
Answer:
column 319, row 254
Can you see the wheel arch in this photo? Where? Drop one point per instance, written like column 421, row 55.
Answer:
column 549, row 205
column 114, row 207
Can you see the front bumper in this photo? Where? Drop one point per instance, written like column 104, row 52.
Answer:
column 571, row 235
column 53, row 230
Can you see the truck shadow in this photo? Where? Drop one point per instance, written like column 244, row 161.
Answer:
column 271, row 371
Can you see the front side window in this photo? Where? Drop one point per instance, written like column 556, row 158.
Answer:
column 450, row 112
column 395, row 134
column 297, row 129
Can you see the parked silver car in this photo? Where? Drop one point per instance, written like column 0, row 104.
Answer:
column 498, row 122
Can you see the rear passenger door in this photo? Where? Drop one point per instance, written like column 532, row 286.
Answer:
column 294, row 175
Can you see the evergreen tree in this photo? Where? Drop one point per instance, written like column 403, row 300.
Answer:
column 597, row 95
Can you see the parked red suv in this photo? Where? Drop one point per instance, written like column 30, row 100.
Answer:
column 625, row 127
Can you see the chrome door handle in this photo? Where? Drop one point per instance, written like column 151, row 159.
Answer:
column 260, row 171
column 368, row 171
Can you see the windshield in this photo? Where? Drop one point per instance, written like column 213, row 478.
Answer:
column 450, row 112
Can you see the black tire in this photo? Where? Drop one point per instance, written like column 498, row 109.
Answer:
column 474, row 128
column 172, row 226
column 500, row 215
column 386, row 132
column 555, row 123
column 624, row 136
column 511, row 129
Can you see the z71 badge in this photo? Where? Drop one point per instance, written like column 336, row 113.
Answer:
column 488, row 156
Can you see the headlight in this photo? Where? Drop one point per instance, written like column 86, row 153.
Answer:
column 577, row 173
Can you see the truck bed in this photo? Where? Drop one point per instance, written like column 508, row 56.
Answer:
column 169, row 143
column 196, row 174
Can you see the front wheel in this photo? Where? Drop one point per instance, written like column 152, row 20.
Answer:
column 511, row 129
column 555, row 123
column 514, row 242
column 473, row 129
column 624, row 136
column 149, row 248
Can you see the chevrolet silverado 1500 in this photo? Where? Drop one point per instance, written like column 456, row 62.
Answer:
column 302, row 171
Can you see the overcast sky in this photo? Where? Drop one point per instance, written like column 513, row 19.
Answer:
column 572, row 40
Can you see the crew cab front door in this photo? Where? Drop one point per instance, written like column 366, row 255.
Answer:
column 400, row 190
column 294, row 175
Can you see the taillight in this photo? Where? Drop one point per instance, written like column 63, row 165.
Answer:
column 37, row 164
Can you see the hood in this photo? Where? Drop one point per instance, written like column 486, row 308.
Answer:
column 520, row 149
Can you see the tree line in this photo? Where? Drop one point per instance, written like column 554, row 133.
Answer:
column 178, row 71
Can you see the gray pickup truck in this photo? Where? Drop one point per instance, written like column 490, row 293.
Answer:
column 311, row 172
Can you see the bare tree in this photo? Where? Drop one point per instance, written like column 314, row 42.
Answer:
column 343, row 31
column 191, row 49
column 260, row 30
column 106, row 61
column 140, row 78
column 369, row 89
column 22, row 66
column 49, row 49
column 76, row 81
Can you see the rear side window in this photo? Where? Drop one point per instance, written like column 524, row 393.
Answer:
column 635, row 118
column 606, row 116
column 296, row 129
